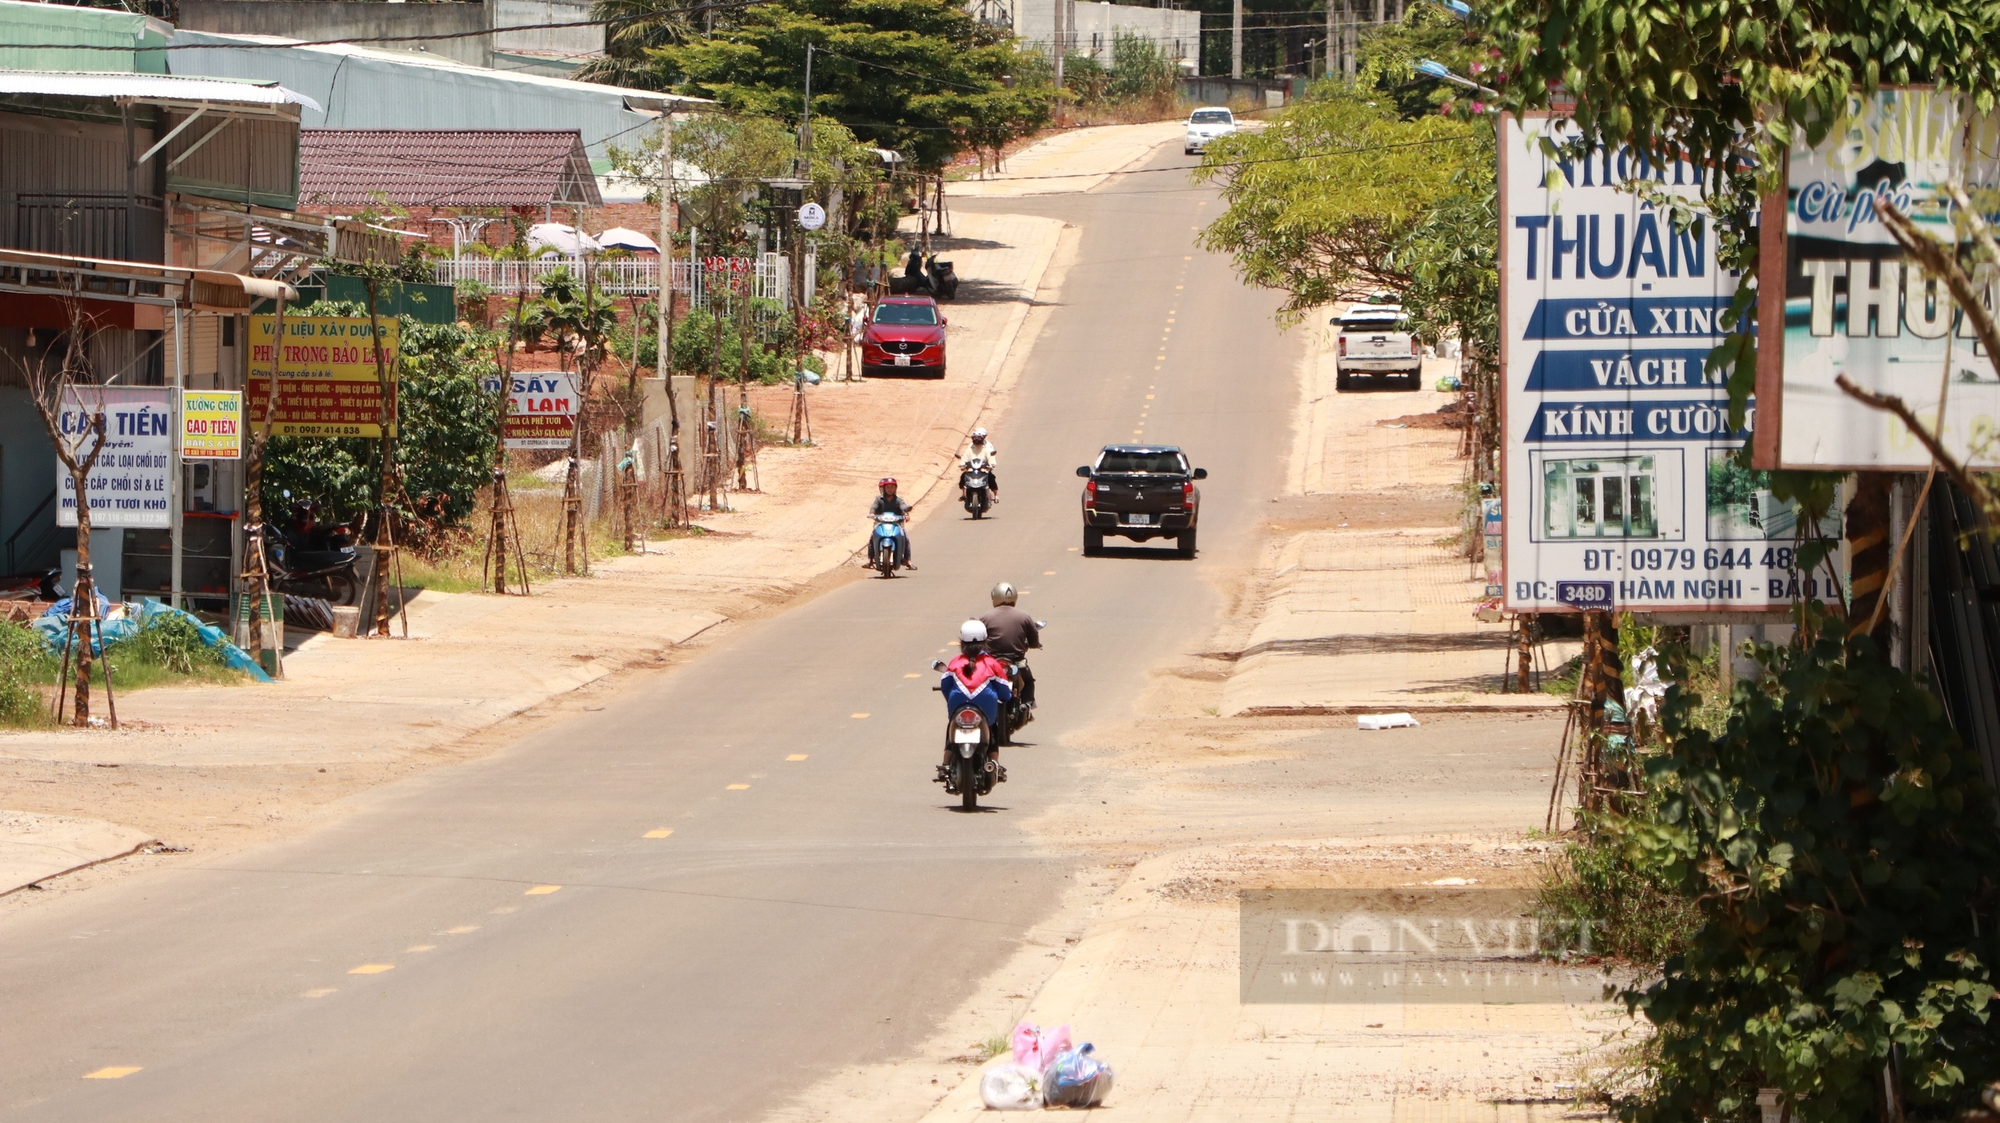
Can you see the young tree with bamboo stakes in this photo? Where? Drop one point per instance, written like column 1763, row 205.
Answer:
column 49, row 380
column 256, row 564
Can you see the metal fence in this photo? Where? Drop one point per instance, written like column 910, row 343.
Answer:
column 770, row 275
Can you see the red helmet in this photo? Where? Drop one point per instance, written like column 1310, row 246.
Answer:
column 886, row 481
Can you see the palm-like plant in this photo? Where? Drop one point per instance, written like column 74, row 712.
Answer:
column 635, row 28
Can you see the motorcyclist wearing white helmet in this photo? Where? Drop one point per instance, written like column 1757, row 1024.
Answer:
column 978, row 447
column 975, row 678
column 1010, row 634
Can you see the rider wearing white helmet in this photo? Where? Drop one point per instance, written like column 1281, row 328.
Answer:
column 974, row 678
column 978, row 446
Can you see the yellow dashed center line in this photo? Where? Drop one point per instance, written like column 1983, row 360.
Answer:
column 115, row 1072
column 461, row 930
column 421, row 947
column 914, row 674
column 739, row 787
column 371, row 968
column 1048, row 573
column 319, row 992
column 663, row 832
column 542, row 890
column 857, row 715
column 796, row 756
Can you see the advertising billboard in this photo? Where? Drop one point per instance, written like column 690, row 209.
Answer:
column 1620, row 489
column 211, row 424
column 327, row 384
column 541, row 409
column 130, row 483
column 1852, row 303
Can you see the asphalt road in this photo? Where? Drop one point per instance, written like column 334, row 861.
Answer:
column 513, row 939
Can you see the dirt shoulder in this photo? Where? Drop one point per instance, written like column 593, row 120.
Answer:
column 212, row 769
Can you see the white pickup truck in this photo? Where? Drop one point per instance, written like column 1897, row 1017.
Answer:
column 1375, row 340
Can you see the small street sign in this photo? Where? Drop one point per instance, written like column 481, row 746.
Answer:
column 812, row 216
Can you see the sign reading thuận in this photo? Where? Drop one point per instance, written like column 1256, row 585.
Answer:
column 1621, row 483
column 327, row 385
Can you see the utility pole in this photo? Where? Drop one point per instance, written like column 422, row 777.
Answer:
column 1381, row 12
column 1236, row 38
column 1332, row 51
column 1058, row 47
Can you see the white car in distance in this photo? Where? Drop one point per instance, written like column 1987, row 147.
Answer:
column 1375, row 340
column 1204, row 125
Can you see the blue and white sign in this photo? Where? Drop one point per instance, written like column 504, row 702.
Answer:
column 1619, row 485
column 129, row 484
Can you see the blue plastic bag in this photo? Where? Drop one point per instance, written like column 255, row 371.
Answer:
column 1076, row 1078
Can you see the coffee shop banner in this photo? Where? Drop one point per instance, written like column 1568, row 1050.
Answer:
column 1850, row 301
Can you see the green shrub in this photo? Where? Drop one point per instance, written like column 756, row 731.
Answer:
column 1629, row 911
column 25, row 664
column 1838, row 844
column 172, row 643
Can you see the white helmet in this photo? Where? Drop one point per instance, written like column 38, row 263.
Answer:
column 1003, row 593
column 979, row 434
column 972, row 631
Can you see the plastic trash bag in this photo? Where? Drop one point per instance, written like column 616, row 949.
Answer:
column 1011, row 1087
column 1034, row 1050
column 1076, row 1078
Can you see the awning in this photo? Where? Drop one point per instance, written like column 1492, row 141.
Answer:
column 157, row 89
column 134, row 282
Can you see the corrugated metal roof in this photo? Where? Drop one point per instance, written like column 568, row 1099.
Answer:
column 64, row 24
column 158, row 89
column 369, row 88
column 445, row 167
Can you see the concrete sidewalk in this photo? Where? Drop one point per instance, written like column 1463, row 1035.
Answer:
column 1364, row 601
column 37, row 847
column 1071, row 161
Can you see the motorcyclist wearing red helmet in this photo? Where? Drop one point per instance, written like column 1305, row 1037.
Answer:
column 889, row 503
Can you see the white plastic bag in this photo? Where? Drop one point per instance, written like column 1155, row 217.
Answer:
column 1010, row 1087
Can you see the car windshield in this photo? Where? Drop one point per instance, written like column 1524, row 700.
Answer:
column 1210, row 117
column 1165, row 463
column 905, row 314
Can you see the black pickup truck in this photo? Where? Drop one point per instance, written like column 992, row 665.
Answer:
column 1141, row 492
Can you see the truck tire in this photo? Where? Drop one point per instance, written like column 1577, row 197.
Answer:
column 1342, row 381
column 1185, row 540
column 1093, row 541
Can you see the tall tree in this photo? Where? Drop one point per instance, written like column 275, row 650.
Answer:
column 921, row 77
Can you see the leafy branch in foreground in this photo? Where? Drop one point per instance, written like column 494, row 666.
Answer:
column 1839, row 843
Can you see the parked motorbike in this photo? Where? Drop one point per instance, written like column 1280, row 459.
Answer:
column 975, row 485
column 927, row 276
column 312, row 559
column 970, row 741
column 886, row 544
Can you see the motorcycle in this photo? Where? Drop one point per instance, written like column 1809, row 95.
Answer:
column 308, row 559
column 885, row 544
column 975, row 484
column 931, row 276
column 969, row 740
column 1015, row 712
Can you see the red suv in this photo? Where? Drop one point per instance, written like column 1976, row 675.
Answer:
column 906, row 334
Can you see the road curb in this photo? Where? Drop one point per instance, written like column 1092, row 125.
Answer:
column 1349, row 709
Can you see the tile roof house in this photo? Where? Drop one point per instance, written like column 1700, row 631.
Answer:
column 432, row 169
